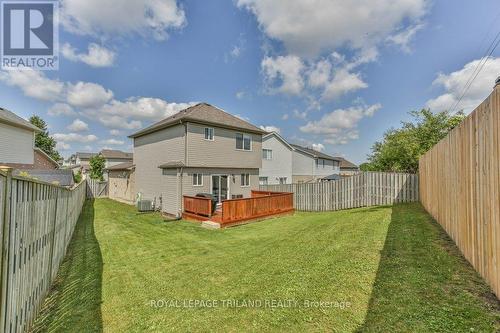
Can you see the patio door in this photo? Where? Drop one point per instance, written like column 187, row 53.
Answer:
column 220, row 187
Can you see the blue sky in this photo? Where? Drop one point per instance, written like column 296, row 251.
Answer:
column 330, row 74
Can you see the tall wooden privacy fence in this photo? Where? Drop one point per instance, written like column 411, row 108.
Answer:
column 460, row 187
column 361, row 190
column 37, row 221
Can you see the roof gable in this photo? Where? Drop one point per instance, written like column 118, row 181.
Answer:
column 12, row 119
column 279, row 137
column 314, row 153
column 203, row 113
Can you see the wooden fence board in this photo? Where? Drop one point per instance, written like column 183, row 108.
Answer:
column 460, row 187
column 36, row 224
column 361, row 190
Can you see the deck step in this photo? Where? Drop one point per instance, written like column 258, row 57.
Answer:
column 210, row 225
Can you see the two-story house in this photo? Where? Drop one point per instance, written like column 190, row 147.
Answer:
column 201, row 149
column 17, row 144
column 285, row 163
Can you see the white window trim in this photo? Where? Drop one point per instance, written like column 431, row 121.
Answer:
column 241, row 180
column 213, row 134
column 197, row 185
column 244, row 135
column 268, row 150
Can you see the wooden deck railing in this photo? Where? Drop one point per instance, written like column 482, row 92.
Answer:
column 198, row 205
column 262, row 203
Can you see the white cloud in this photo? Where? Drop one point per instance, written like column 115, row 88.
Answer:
column 34, row 84
column 339, row 126
column 285, row 116
column 309, row 27
column 113, row 142
column 143, row 108
column 61, row 109
column 318, row 147
column 115, row 132
column 60, row 145
column 119, row 122
column 122, row 17
column 320, row 73
column 241, row 94
column 454, row 83
column 299, row 115
column 88, row 95
column 343, row 82
column 75, row 137
column 270, row 128
column 403, row 38
column 78, row 126
column 96, row 56
column 285, row 72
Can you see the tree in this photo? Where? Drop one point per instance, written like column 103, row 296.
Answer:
column 43, row 140
column 77, row 177
column 97, row 163
column 401, row 148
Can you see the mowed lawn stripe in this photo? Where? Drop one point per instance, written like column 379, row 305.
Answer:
column 393, row 268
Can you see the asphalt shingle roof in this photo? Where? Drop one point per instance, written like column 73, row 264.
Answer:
column 122, row 166
column 202, row 113
column 63, row 177
column 11, row 118
column 345, row 164
column 109, row 153
column 315, row 153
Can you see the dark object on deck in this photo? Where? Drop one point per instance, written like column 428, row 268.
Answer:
column 211, row 197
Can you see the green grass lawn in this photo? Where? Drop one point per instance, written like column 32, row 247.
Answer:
column 379, row 269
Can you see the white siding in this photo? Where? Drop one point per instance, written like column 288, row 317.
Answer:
column 16, row 145
column 281, row 163
column 328, row 169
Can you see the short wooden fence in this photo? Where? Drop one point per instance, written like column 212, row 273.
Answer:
column 96, row 188
column 361, row 190
column 37, row 221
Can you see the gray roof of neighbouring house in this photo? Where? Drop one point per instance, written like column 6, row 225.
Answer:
column 110, row 153
column 85, row 155
column 122, row 166
column 315, row 153
column 63, row 177
column 205, row 114
column 11, row 118
column 345, row 164
column 332, row 177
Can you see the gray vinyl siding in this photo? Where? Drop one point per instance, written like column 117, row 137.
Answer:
column 16, row 145
column 152, row 150
column 221, row 152
column 302, row 164
column 281, row 163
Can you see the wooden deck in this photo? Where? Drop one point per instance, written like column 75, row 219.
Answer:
column 260, row 205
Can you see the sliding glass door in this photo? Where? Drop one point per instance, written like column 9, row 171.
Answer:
column 220, row 187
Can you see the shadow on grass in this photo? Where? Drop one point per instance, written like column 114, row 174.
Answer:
column 74, row 300
column 424, row 284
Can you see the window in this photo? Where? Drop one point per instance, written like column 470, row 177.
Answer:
column 245, row 179
column 267, row 154
column 243, row 141
column 197, row 179
column 282, row 180
column 263, row 180
column 320, row 163
column 209, row 133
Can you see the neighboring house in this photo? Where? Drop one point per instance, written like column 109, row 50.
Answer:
column 347, row 168
column 309, row 165
column 121, row 185
column 285, row 163
column 201, row 149
column 61, row 177
column 115, row 157
column 276, row 160
column 80, row 161
column 17, row 144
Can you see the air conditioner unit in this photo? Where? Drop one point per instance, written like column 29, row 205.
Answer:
column 144, row 205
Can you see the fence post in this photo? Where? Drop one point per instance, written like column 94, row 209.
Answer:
column 5, row 233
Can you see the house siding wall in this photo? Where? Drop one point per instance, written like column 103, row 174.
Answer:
column 330, row 168
column 281, row 163
column 302, row 164
column 169, row 188
column 16, row 145
column 222, row 151
column 152, row 150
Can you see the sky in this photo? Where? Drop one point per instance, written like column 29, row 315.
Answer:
column 330, row 74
